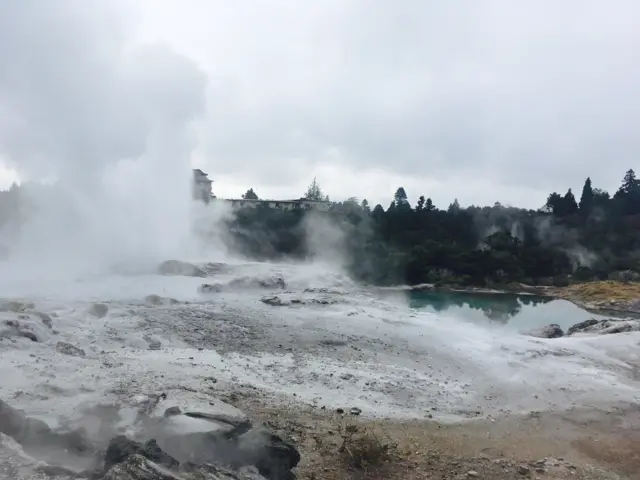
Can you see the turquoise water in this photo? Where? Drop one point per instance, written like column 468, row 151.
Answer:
column 518, row 311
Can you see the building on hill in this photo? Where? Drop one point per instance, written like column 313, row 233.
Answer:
column 202, row 189
column 300, row 204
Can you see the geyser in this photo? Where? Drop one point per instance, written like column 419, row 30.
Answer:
column 110, row 123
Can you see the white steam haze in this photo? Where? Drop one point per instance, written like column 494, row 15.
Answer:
column 111, row 123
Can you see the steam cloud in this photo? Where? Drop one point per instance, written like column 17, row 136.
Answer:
column 109, row 121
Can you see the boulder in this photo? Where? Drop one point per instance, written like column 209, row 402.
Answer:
column 210, row 288
column 99, row 310
column 25, row 326
column 548, row 331
column 273, row 456
column 12, row 421
column 605, row 326
column 275, row 301
column 157, row 301
column 283, row 301
column 154, row 343
column 178, row 268
column 171, row 411
column 120, row 448
column 582, row 326
column 137, row 467
column 273, row 282
column 18, row 426
column 68, row 349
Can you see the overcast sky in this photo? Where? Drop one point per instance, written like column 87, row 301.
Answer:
column 483, row 101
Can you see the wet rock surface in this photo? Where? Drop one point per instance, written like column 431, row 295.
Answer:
column 138, row 467
column 549, row 331
column 273, row 456
column 592, row 326
column 238, row 450
column 120, row 448
column 606, row 326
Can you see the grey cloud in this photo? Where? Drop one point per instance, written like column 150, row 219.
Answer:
column 539, row 93
column 75, row 96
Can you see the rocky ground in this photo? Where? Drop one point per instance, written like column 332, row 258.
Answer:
column 584, row 444
column 247, row 366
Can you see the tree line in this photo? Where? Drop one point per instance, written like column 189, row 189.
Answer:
column 594, row 237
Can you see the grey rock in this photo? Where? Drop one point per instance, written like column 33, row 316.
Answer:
column 605, row 326
column 548, row 331
column 171, row 411
column 68, row 349
column 210, row 288
column 273, row 456
column 273, row 282
column 154, row 343
column 26, row 327
column 176, row 267
column 157, row 301
column 18, row 426
column 120, row 448
column 137, row 467
column 582, row 326
column 275, row 301
column 232, row 426
column 12, row 422
column 27, row 334
column 280, row 301
column 99, row 310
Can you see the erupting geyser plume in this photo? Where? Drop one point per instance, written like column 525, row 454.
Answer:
column 110, row 124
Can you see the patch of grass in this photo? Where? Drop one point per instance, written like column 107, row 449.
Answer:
column 603, row 290
column 367, row 451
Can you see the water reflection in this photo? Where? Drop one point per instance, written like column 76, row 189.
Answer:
column 496, row 307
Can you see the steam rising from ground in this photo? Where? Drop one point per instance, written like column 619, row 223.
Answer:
column 110, row 123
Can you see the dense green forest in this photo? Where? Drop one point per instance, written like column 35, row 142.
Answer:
column 593, row 237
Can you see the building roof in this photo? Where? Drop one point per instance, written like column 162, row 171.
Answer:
column 202, row 177
column 299, row 200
